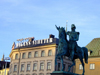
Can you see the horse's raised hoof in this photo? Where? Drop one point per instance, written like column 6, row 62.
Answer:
column 82, row 73
column 69, row 70
column 86, row 62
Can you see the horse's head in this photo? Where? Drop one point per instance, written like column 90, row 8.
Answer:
column 62, row 33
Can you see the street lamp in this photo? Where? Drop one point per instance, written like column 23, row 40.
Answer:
column 6, row 58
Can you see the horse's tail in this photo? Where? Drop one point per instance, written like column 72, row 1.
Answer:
column 85, row 54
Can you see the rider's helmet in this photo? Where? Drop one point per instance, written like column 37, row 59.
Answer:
column 73, row 26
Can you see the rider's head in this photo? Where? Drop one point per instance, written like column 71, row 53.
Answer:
column 73, row 27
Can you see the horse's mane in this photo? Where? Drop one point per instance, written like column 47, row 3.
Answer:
column 65, row 37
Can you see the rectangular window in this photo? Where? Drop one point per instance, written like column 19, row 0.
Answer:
column 50, row 53
column 92, row 66
column 42, row 66
column 29, row 55
column 41, row 74
column 48, row 74
column 23, row 56
column 42, row 53
column 27, row 74
column 80, row 66
column 35, row 66
column 49, row 66
column 28, row 67
column 36, row 54
column 16, row 57
column 22, row 67
column 15, row 67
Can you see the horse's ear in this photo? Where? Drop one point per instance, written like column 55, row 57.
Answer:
column 57, row 27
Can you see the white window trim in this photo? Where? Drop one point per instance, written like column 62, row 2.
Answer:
column 80, row 67
column 88, row 53
column 92, row 66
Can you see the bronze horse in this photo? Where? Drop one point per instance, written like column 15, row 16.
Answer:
column 63, row 50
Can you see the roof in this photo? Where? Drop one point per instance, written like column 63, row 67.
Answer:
column 54, row 41
column 2, row 64
column 94, row 45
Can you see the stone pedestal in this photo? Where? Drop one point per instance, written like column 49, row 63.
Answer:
column 62, row 73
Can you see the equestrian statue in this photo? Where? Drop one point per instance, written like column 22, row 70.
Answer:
column 70, row 47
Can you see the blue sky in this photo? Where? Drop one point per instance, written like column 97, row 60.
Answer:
column 37, row 18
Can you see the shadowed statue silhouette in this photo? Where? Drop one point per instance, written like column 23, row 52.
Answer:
column 70, row 48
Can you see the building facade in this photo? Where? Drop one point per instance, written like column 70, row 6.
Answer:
column 4, row 71
column 93, row 66
column 36, row 57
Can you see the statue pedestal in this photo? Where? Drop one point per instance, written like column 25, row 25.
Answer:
column 62, row 73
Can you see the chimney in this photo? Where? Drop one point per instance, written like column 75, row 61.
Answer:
column 51, row 36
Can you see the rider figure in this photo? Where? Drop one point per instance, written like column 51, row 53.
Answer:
column 73, row 37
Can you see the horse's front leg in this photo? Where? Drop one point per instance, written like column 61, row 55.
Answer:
column 56, row 61
column 62, row 63
column 81, row 59
column 83, row 69
column 71, row 66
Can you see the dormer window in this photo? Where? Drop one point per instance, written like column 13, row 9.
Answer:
column 99, row 52
column 88, row 53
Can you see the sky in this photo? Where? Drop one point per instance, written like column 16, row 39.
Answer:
column 37, row 18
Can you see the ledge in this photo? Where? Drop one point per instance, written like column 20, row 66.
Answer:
column 62, row 73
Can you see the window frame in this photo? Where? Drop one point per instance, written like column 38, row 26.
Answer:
column 34, row 66
column 42, row 53
column 28, row 67
column 34, row 74
column 29, row 54
column 41, row 73
column 36, row 54
column 15, row 68
column 80, row 67
column 42, row 66
column 16, row 56
column 92, row 66
column 88, row 53
column 48, row 74
column 22, row 68
column 48, row 65
column 23, row 55
column 50, row 53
